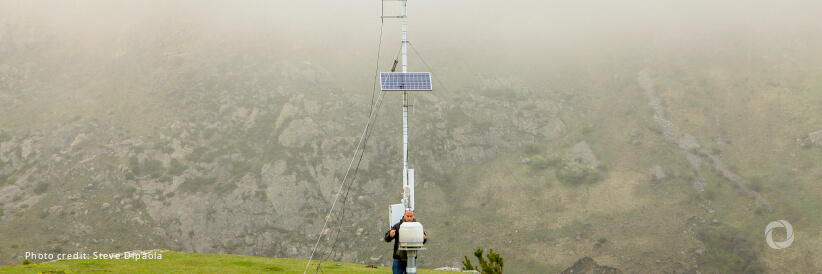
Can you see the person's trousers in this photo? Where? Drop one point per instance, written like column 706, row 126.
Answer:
column 399, row 266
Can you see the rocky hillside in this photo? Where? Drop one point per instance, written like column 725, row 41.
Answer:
column 671, row 155
column 194, row 143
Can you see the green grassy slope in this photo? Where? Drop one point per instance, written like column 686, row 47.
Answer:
column 178, row 262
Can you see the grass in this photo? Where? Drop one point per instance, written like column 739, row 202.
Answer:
column 178, row 262
column 730, row 252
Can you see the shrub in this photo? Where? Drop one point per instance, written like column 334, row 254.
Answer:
column 7, row 179
column 196, row 154
column 163, row 146
column 165, row 179
column 509, row 94
column 208, row 133
column 544, row 162
column 240, row 169
column 134, row 164
column 175, row 168
column 493, row 265
column 575, row 173
column 730, row 252
column 711, row 191
column 259, row 194
column 41, row 188
column 539, row 163
column 760, row 210
column 197, row 183
column 586, row 130
column 129, row 190
column 137, row 149
column 225, row 188
column 600, row 242
column 154, row 168
column 756, row 183
column 532, row 148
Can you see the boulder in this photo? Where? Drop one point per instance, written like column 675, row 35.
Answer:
column 816, row 137
column 554, row 129
column 588, row 265
column 688, row 142
column 582, row 151
column 286, row 113
column 26, row 148
column 82, row 137
column 55, row 210
column 300, row 132
column 658, row 174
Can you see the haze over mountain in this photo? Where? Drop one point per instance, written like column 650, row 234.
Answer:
column 645, row 135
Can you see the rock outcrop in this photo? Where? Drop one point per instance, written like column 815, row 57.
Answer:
column 816, row 137
column 587, row 265
column 689, row 145
column 658, row 174
column 583, row 153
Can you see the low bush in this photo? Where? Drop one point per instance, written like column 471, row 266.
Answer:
column 41, row 188
column 544, row 162
column 576, row 173
column 493, row 265
column 175, row 168
column 532, row 148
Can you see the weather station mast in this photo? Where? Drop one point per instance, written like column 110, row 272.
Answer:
column 411, row 236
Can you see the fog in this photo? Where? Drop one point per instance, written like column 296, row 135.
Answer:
column 518, row 37
column 518, row 29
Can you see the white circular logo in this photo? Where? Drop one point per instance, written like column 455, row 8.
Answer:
column 769, row 234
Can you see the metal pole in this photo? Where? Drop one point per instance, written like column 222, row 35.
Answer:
column 406, row 196
column 411, row 267
column 404, row 37
column 412, row 262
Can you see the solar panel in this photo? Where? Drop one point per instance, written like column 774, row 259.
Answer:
column 405, row 81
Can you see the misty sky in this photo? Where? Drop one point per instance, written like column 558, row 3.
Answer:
column 459, row 23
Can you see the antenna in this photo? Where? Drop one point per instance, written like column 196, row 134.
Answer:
column 411, row 234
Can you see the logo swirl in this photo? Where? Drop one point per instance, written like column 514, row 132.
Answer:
column 769, row 234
